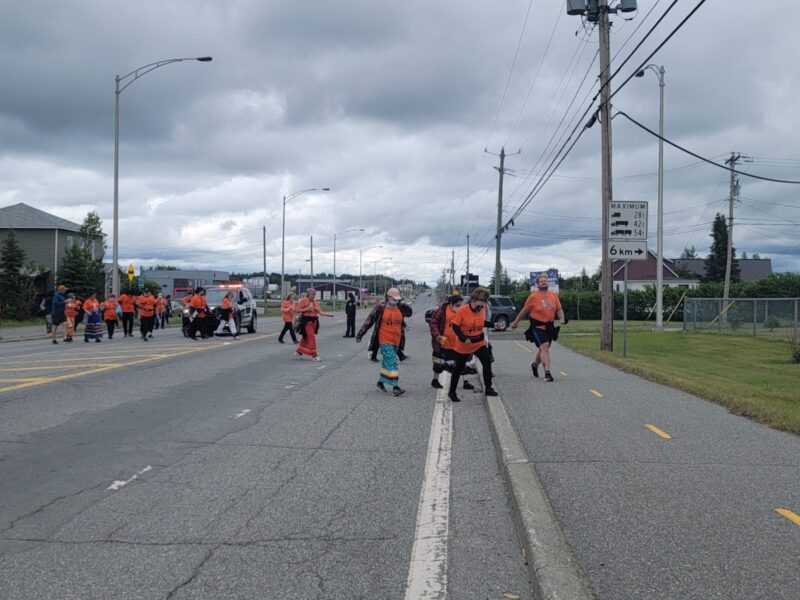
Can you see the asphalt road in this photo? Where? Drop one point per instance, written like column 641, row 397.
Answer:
column 232, row 469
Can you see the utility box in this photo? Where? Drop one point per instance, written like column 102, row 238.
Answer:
column 627, row 6
column 576, row 7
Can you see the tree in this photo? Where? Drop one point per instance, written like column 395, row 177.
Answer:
column 16, row 285
column 506, row 285
column 756, row 256
column 689, row 252
column 81, row 270
column 718, row 257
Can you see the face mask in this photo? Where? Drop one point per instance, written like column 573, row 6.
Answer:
column 476, row 308
column 391, row 302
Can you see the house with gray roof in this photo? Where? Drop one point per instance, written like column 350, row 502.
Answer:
column 44, row 238
column 750, row 269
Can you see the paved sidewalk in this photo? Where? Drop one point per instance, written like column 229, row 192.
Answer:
column 17, row 334
column 693, row 516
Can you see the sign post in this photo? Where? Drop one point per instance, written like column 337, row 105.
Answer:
column 131, row 273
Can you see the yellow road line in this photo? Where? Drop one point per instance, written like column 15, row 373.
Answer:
column 23, row 379
column 41, row 368
column 523, row 347
column 563, row 373
column 785, row 512
column 596, row 393
column 109, row 367
column 658, row 432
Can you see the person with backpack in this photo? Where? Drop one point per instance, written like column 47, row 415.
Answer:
column 388, row 317
column 443, row 339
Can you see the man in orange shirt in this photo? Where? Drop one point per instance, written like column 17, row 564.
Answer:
column 199, row 308
column 287, row 312
column 542, row 306
column 147, row 312
column 467, row 325
column 126, row 303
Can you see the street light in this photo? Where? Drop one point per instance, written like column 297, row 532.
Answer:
column 336, row 235
column 283, row 227
column 133, row 75
column 375, row 274
column 659, row 71
column 360, row 279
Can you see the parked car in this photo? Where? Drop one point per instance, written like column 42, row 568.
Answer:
column 503, row 312
column 244, row 308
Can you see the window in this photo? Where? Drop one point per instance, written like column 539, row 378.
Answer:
column 70, row 241
column 493, row 301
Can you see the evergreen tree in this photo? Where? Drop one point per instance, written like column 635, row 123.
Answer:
column 12, row 280
column 506, row 285
column 82, row 269
column 688, row 252
column 718, row 257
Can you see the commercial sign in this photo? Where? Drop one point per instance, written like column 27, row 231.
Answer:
column 552, row 279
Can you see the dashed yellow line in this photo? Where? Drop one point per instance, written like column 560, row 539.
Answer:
column 785, row 512
column 523, row 347
column 658, row 432
column 596, row 393
column 111, row 366
column 563, row 373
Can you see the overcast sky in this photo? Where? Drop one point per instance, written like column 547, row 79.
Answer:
column 391, row 106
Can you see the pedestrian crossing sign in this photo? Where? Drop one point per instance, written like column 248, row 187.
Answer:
column 131, row 272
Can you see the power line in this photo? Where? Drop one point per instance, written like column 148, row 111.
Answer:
column 704, row 159
column 633, row 33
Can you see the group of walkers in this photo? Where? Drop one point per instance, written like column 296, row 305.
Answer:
column 63, row 307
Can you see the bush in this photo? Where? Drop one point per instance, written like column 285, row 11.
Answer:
column 794, row 348
column 772, row 322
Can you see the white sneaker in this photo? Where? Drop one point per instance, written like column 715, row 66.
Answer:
column 317, row 359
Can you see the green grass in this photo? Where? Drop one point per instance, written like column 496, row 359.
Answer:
column 39, row 322
column 752, row 377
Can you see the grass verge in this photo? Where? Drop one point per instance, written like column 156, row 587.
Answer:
column 752, row 377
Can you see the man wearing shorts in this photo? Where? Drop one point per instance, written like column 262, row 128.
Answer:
column 542, row 306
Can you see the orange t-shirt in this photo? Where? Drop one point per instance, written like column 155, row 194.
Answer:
column 543, row 306
column 305, row 305
column 161, row 305
column 447, row 330
column 109, row 310
column 287, row 311
column 471, row 324
column 391, row 326
column 71, row 308
column 147, row 305
column 199, row 304
column 126, row 302
column 227, row 304
column 187, row 300
column 90, row 305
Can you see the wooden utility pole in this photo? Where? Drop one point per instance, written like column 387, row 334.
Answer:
column 607, row 279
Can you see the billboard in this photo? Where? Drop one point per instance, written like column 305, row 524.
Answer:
column 552, row 279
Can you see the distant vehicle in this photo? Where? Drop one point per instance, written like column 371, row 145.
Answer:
column 503, row 312
column 245, row 311
column 622, row 232
column 620, row 224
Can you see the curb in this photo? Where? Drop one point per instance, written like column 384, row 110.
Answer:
column 23, row 339
column 553, row 570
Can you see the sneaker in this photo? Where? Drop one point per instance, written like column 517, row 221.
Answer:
column 403, row 357
column 97, row 341
column 55, row 341
column 144, row 338
column 86, row 340
column 435, row 383
column 535, row 369
column 381, row 387
column 374, row 360
column 398, row 391
column 453, row 397
column 490, row 391
column 548, row 376
column 296, row 353
column 281, row 342
column 317, row 359
column 468, row 386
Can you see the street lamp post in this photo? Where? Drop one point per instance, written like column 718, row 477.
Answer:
column 360, row 258
column 133, row 76
column 659, row 71
column 336, row 235
column 283, row 226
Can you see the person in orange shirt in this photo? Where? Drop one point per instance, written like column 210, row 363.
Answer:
column 147, row 311
column 287, row 312
column 309, row 311
column 443, row 338
column 542, row 306
column 71, row 309
column 468, row 324
column 388, row 317
column 160, row 310
column 109, row 308
column 126, row 302
column 94, row 323
column 199, row 309
column 226, row 316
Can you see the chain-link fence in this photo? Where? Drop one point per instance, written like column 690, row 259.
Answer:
column 743, row 316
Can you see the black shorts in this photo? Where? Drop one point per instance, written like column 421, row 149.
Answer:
column 58, row 319
column 541, row 336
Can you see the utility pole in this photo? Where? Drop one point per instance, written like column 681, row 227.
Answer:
column 312, row 261
column 499, row 231
column 732, row 195
column 607, row 281
column 452, row 270
column 265, row 269
column 466, row 292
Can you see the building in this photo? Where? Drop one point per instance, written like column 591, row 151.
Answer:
column 642, row 273
column 751, row 269
column 324, row 288
column 44, row 238
column 178, row 282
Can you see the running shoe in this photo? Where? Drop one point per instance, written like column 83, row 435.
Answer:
column 398, row 391
column 435, row 383
column 535, row 369
column 490, row 391
column 548, row 376
column 468, row 386
column 317, row 359
column 453, row 397
column 381, row 387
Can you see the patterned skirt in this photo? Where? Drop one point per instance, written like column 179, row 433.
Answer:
column 94, row 327
column 389, row 365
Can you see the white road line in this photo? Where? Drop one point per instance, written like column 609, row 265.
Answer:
column 241, row 414
column 118, row 484
column 322, row 367
column 427, row 573
column 288, row 387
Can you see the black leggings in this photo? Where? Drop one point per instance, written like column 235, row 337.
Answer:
column 351, row 327
column 461, row 360
column 287, row 326
column 127, row 323
column 146, row 324
column 111, row 324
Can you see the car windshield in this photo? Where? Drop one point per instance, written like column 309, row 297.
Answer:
column 215, row 296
